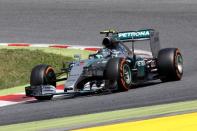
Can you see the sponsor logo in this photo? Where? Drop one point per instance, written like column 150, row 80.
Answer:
column 140, row 63
column 134, row 35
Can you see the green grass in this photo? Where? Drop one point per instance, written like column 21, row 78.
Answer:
column 58, row 51
column 13, row 90
column 16, row 64
column 84, row 120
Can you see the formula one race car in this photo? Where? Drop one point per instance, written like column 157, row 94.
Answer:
column 113, row 68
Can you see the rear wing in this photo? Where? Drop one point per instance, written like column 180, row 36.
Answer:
column 140, row 35
column 127, row 36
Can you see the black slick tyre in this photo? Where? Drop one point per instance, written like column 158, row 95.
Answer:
column 43, row 75
column 170, row 64
column 118, row 69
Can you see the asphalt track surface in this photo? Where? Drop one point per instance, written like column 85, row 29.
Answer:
column 79, row 22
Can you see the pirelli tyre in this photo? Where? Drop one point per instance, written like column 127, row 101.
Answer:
column 118, row 69
column 43, row 75
column 170, row 64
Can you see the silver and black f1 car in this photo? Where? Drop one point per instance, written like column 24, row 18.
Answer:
column 113, row 68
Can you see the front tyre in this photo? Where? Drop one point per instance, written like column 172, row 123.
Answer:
column 170, row 64
column 118, row 69
column 43, row 75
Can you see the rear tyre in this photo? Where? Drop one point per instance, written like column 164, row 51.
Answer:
column 43, row 75
column 170, row 64
column 118, row 69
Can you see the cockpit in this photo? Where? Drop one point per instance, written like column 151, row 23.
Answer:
column 111, row 49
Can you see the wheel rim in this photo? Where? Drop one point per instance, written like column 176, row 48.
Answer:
column 127, row 74
column 179, row 63
column 50, row 76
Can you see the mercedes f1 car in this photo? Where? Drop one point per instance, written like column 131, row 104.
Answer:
column 114, row 67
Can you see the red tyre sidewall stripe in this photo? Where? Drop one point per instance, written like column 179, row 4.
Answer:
column 121, row 74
